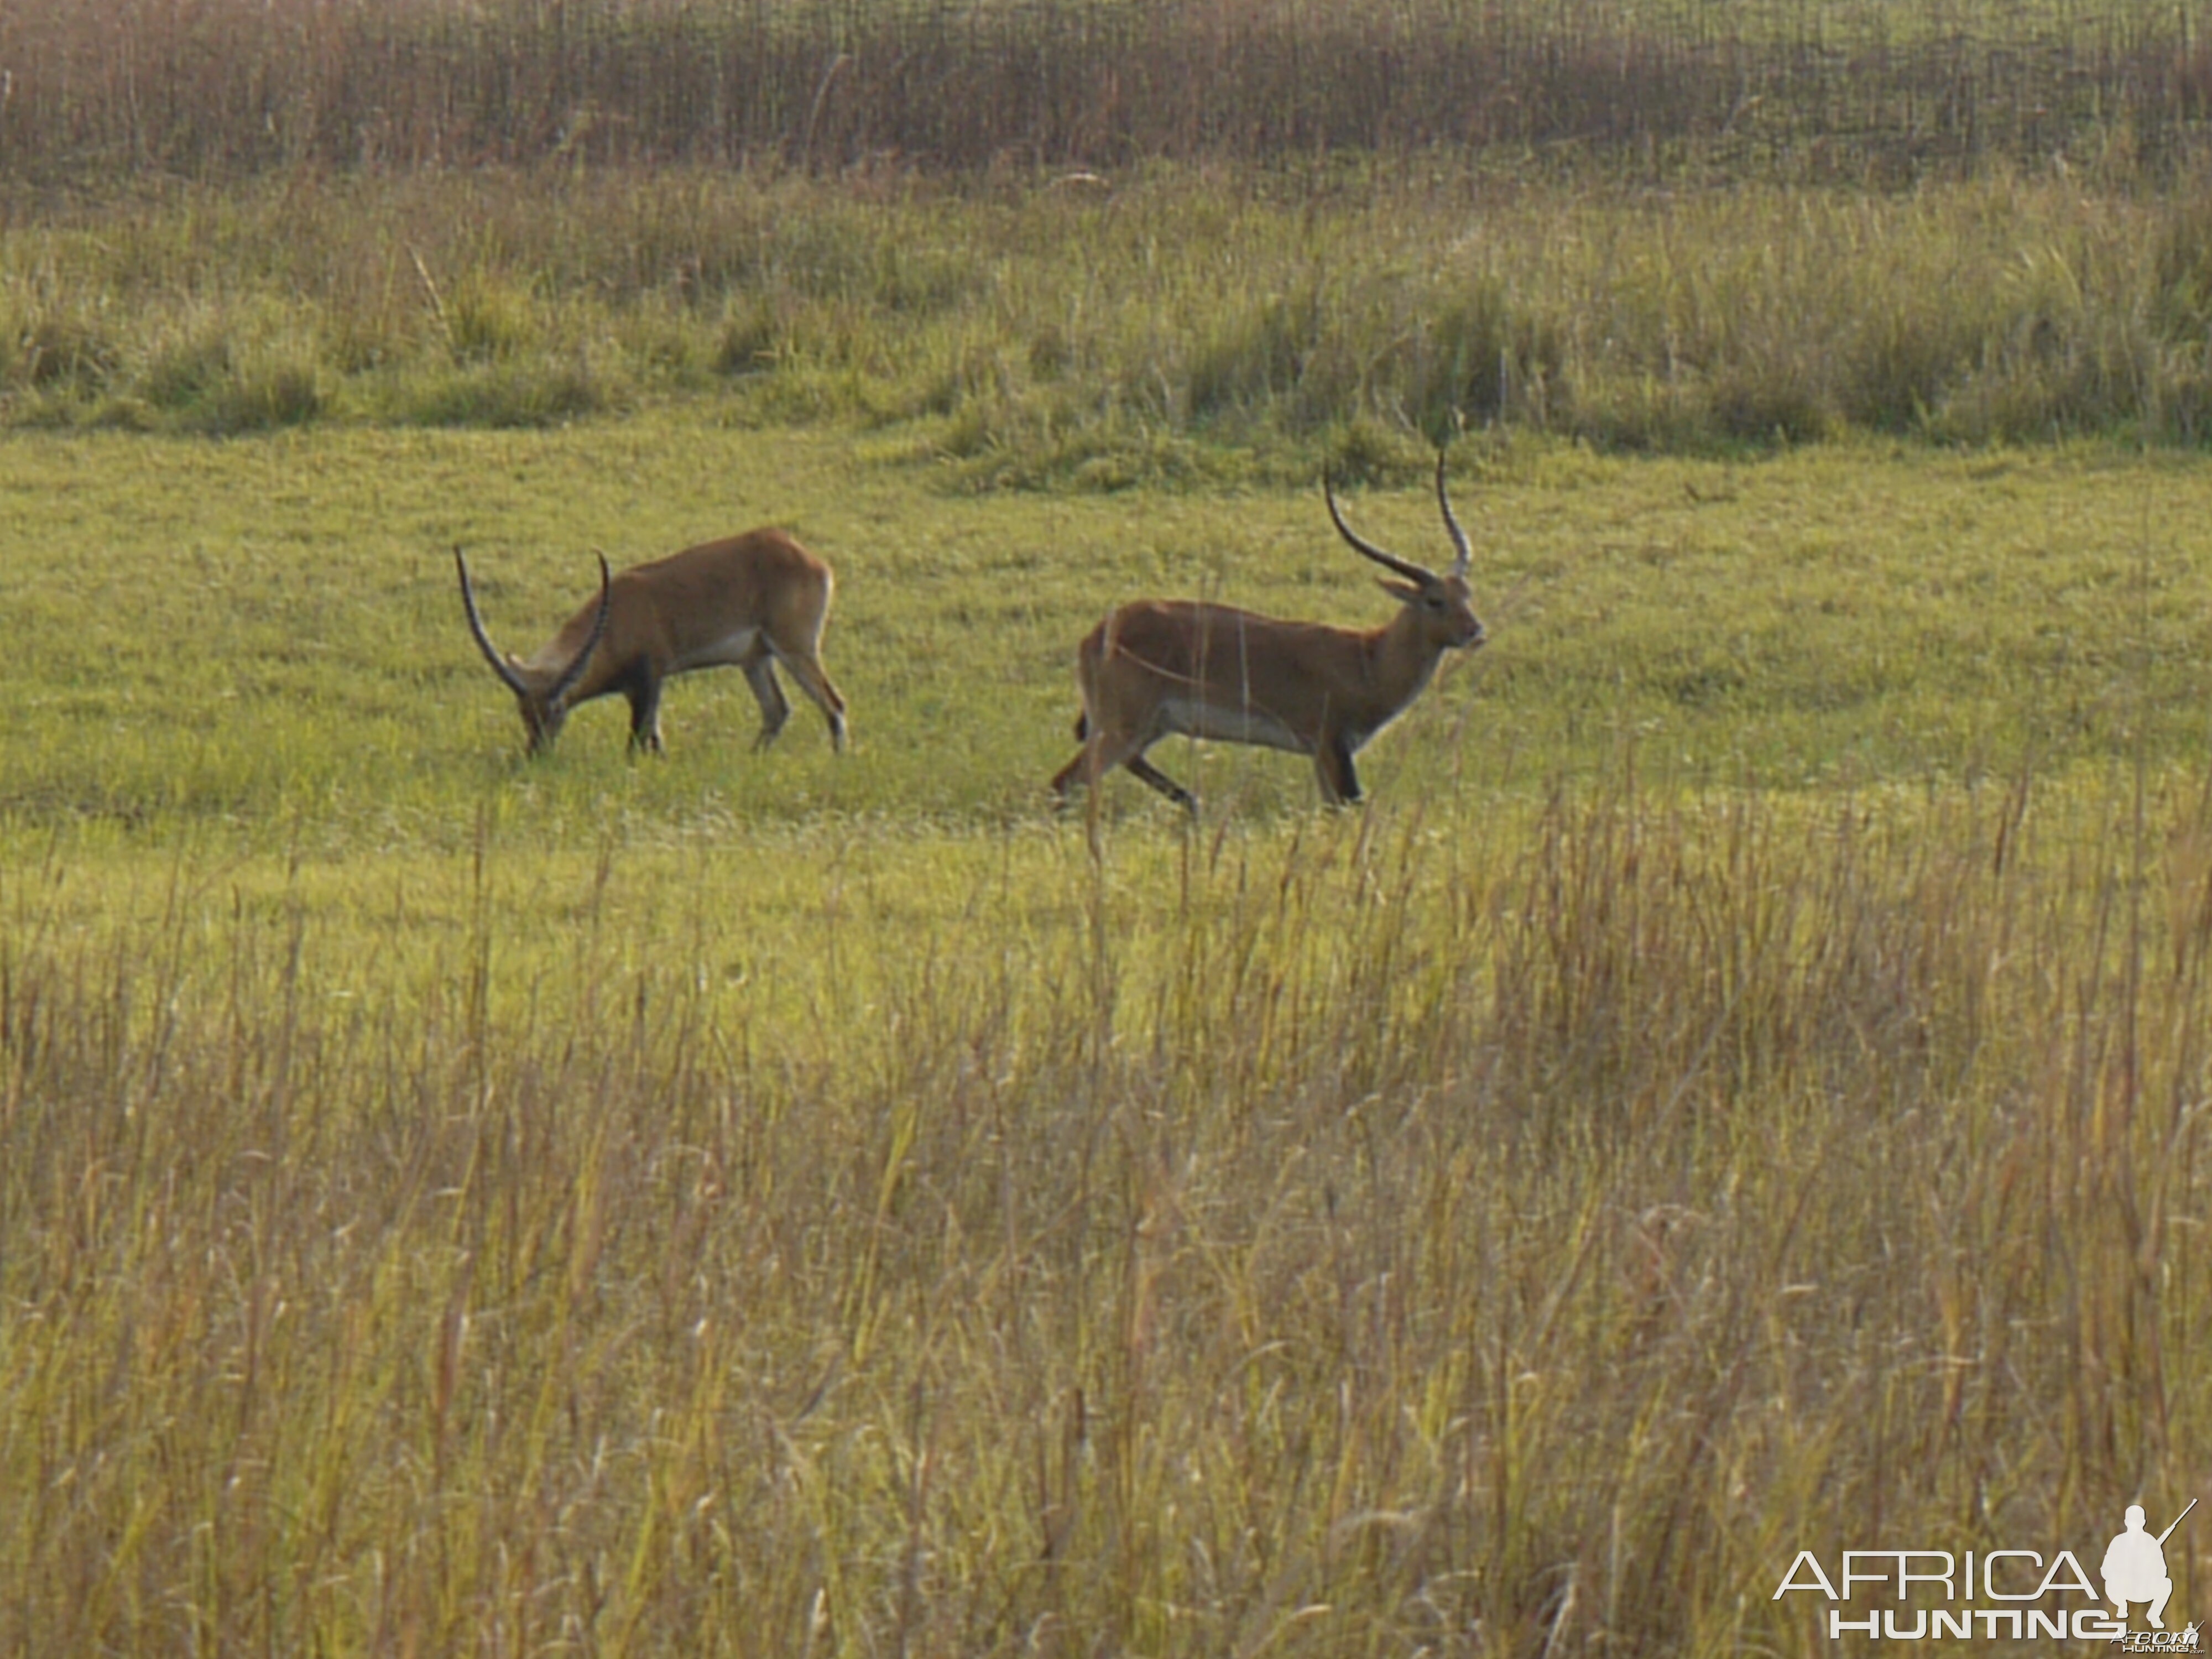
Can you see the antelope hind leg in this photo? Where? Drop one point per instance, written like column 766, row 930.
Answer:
column 814, row 680
column 775, row 706
column 1138, row 766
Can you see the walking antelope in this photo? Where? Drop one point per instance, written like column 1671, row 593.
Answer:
column 752, row 601
column 1159, row 666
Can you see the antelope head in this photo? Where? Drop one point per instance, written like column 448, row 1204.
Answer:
column 542, row 690
column 1442, row 606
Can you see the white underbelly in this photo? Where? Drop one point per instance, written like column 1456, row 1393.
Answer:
column 734, row 647
column 1229, row 724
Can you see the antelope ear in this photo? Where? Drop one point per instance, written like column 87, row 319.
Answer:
column 1405, row 591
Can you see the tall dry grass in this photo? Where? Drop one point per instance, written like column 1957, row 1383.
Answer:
column 1514, row 1233
column 1160, row 324
column 1819, row 88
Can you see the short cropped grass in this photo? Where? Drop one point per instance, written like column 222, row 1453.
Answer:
column 1739, row 1089
column 249, row 636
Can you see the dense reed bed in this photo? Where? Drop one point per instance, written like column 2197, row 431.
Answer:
column 1817, row 88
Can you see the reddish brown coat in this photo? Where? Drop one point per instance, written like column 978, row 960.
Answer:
column 751, row 601
column 1156, row 668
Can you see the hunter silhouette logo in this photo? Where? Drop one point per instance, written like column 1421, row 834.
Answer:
column 2002, row 1594
column 2135, row 1567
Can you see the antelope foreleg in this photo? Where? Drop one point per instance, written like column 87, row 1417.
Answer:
column 645, row 714
column 1339, row 779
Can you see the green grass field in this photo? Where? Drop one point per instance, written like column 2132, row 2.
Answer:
column 219, row 640
column 1738, row 1089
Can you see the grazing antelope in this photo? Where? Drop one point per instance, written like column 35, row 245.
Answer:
column 1157, row 666
column 753, row 601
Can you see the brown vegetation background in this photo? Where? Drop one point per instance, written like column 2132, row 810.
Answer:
column 205, row 86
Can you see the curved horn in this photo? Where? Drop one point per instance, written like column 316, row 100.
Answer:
column 1410, row 571
column 1451, row 525
column 500, row 665
column 575, row 670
